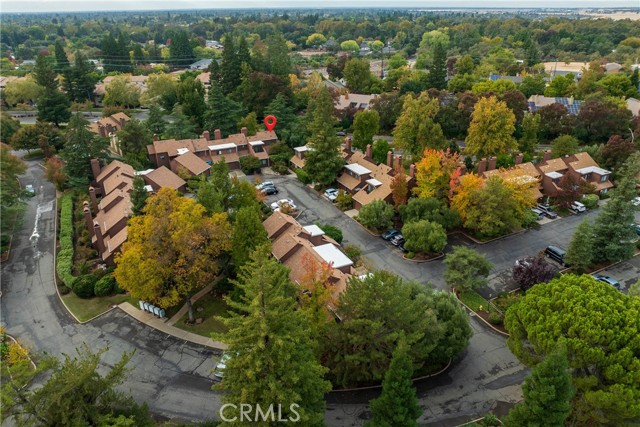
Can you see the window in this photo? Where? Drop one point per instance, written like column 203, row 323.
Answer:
column 161, row 157
column 258, row 149
column 604, row 178
column 586, row 176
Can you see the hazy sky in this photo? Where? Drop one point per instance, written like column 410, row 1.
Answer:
column 85, row 5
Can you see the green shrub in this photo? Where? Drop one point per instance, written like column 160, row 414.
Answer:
column 495, row 318
column 376, row 215
column 280, row 168
column 411, row 255
column 250, row 164
column 334, row 232
column 105, row 286
column 64, row 262
column 590, row 200
column 353, row 252
column 344, row 200
column 604, row 196
column 118, row 290
column 63, row 290
column 303, row 176
column 84, row 286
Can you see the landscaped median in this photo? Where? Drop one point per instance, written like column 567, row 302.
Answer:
column 483, row 309
column 76, row 291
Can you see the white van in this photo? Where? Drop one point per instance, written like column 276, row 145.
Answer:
column 578, row 207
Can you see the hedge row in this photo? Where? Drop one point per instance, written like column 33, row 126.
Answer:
column 64, row 264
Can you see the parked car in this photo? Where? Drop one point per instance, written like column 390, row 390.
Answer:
column 539, row 214
column 636, row 228
column 265, row 184
column 556, row 253
column 282, row 202
column 397, row 239
column 389, row 234
column 608, row 280
column 30, row 190
column 269, row 190
column 635, row 201
column 578, row 207
column 547, row 211
column 341, row 134
column 221, row 366
column 331, row 194
column 402, row 248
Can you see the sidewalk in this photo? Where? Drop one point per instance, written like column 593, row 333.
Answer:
column 162, row 325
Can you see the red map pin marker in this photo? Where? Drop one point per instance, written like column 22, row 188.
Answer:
column 270, row 122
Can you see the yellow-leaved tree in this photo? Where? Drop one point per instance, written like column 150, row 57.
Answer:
column 434, row 172
column 462, row 193
column 172, row 250
column 416, row 128
column 491, row 129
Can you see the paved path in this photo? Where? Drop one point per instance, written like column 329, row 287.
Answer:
column 172, row 375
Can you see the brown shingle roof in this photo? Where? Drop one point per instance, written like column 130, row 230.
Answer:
column 552, row 165
column 192, row 163
column 120, row 211
column 163, row 177
column 276, row 222
column 111, row 167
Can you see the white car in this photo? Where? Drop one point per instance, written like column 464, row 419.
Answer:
column 331, row 194
column 635, row 201
column 29, row 189
column 578, row 207
column 282, row 202
column 264, row 184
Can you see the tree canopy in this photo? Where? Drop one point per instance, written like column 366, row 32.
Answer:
column 599, row 326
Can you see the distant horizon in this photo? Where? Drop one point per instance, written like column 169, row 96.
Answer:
column 70, row 6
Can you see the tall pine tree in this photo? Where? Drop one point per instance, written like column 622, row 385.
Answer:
column 231, row 68
column 80, row 147
column 397, row 406
column 323, row 161
column 248, row 234
column 53, row 105
column 222, row 113
column 437, row 77
column 547, row 394
column 272, row 357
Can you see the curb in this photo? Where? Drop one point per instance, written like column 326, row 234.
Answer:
column 420, row 261
column 366, row 229
column 480, row 317
column 479, row 242
column 375, row 387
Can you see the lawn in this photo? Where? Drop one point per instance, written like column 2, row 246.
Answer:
column 88, row 308
column 212, row 306
column 474, row 300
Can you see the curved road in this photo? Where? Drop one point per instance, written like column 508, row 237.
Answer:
column 174, row 376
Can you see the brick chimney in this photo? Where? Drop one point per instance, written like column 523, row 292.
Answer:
column 94, row 200
column 347, row 147
column 99, row 239
column 546, row 155
column 519, row 158
column 412, row 170
column 398, row 163
column 463, row 170
column 369, row 151
column 390, row 159
column 156, row 137
column 217, row 134
column 102, row 130
column 95, row 168
column 482, row 166
column 206, row 135
column 492, row 163
column 122, row 122
column 244, row 131
column 87, row 217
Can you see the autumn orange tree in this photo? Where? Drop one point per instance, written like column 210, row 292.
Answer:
column 172, row 250
column 315, row 292
column 399, row 189
column 434, row 172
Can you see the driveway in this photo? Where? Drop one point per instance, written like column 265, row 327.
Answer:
column 626, row 272
column 172, row 376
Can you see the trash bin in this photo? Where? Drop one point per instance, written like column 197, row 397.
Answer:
column 156, row 311
column 141, row 303
column 146, row 306
column 161, row 313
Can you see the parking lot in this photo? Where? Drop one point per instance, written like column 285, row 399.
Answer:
column 626, row 273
